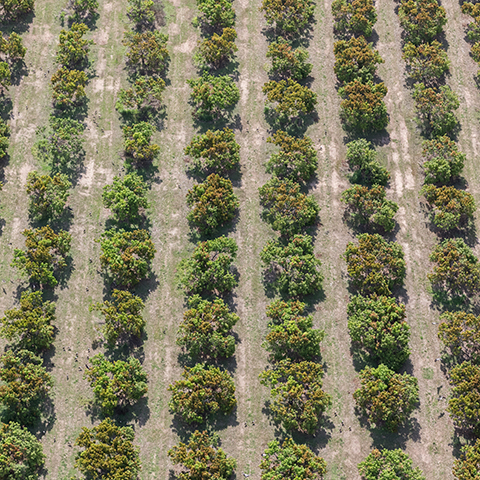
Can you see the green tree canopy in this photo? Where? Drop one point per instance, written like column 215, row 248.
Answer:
column 12, row 48
column 30, row 326
column 296, row 390
column 472, row 9
column 201, row 458
column 13, row 9
column 423, row 20
column 288, row 16
column 209, row 269
column 216, row 14
column 69, row 87
column 136, row 142
column 109, row 449
column 123, row 316
column 203, row 391
column 147, row 52
column 427, row 62
column 292, row 267
column 468, row 465
column 288, row 61
column 291, row 460
column 4, row 138
column 218, row 49
column 386, row 397
column 362, row 159
column 378, row 328
column 72, row 47
column 206, row 330
column 354, row 17
column 375, row 265
column 83, row 10
column 142, row 13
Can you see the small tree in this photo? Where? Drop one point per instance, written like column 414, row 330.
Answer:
column 215, row 151
column 4, row 138
column 13, row 9
column 386, row 397
column 354, row 17
column 48, row 195
column 126, row 197
column 206, row 328
column 435, row 108
column 123, row 316
column 427, row 62
column 443, row 162
column 378, row 329
column 289, row 17
column 362, row 159
column 5, row 76
column 25, row 384
column 147, row 52
column 142, row 98
column 72, row 47
column 116, row 384
column 450, row 208
column 12, row 48
column 288, row 62
column 287, row 209
column 297, row 158
column 472, row 9
column 201, row 458
column 291, row 335
column 370, row 207
column 108, row 449
column 209, row 269
column 21, row 454
column 292, row 267
column 422, row 20
column 355, row 59
column 126, row 256
column 385, row 463
column 468, row 465
column 291, row 460
column 298, row 398
column 363, row 108
column 204, row 391
column 68, row 87
column 45, row 255
column 30, row 327
column 464, row 403
column 218, row 49
column 456, row 270
column 136, row 143
column 217, row 14
column 214, row 203
column 211, row 96
column 375, row 265
column 83, row 10
column 141, row 13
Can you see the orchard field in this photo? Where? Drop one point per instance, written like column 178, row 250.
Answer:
column 344, row 436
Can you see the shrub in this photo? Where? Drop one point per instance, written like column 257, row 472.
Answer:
column 201, row 458
column 4, row 138
column 298, row 398
column 355, row 59
column 443, row 162
column 422, row 20
column 460, row 333
column 354, row 17
column 204, row 391
column 48, row 195
column 45, row 255
column 287, row 209
column 291, row 460
column 291, row 335
column 450, row 208
column 217, row 14
column 288, row 62
column 126, row 256
column 213, row 96
column 464, row 403
column 108, row 449
column 123, row 316
column 370, row 207
column 468, row 465
column 215, row 150
column 116, row 384
column 30, row 326
column 427, row 62
column 386, row 397
column 363, row 108
column 13, row 9
column 375, row 265
column 72, row 47
column 435, row 108
column 292, row 267
column 147, row 52
column 68, row 87
column 218, row 49
column 378, row 329
column 297, row 158
column 362, row 159
column 214, row 203
column 25, row 385
column 456, row 270
column 288, row 16
column 385, row 463
column 20, row 452
column 136, row 143
column 126, row 197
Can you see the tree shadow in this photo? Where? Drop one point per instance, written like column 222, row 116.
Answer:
column 392, row 440
column 18, row 25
